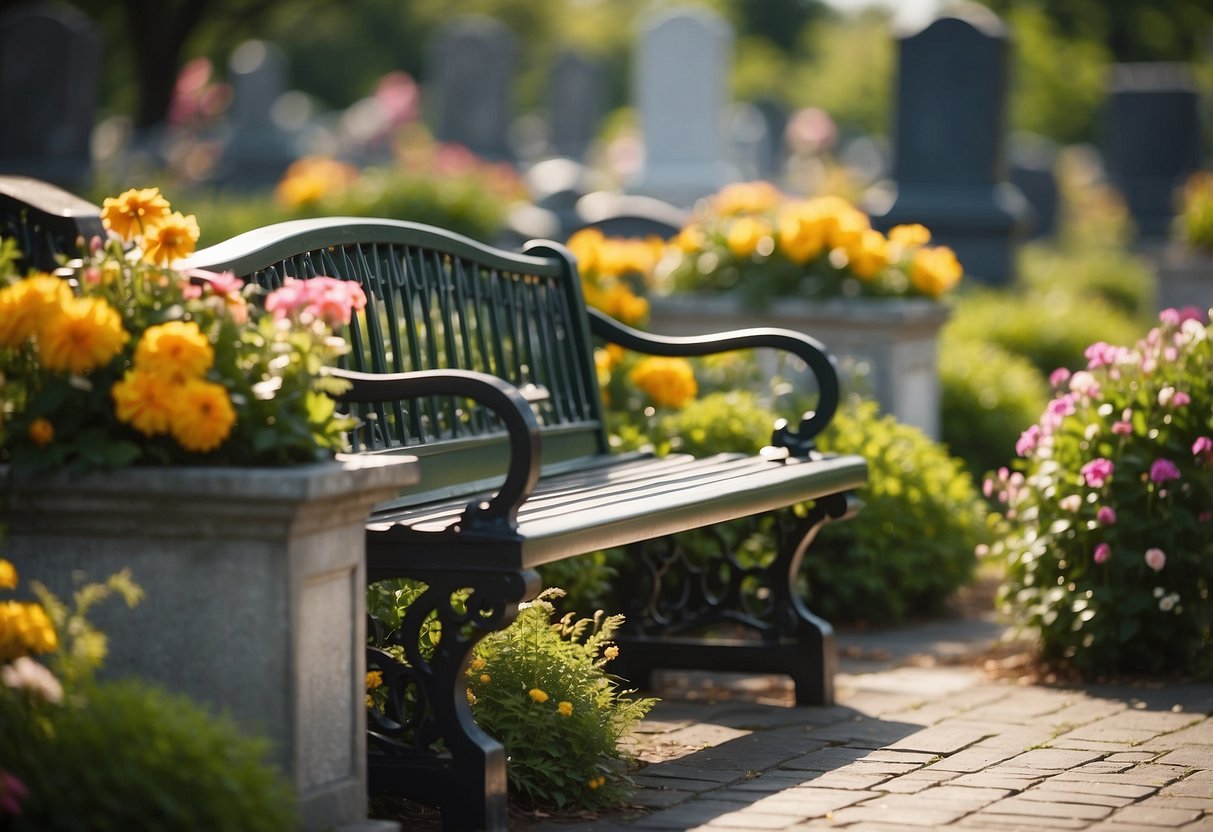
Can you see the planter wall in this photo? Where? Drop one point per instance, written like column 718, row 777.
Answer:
column 255, row 596
column 887, row 348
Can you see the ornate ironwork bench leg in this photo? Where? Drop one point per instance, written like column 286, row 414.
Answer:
column 425, row 745
column 673, row 597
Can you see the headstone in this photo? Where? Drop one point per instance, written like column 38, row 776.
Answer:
column 681, row 88
column 257, row 151
column 629, row 215
column 1152, row 139
column 754, row 151
column 576, row 104
column 472, row 62
column 50, row 56
column 1033, row 159
column 949, row 155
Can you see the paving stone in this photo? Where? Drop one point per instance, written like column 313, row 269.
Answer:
column 1019, row 805
column 943, row 739
column 754, row 820
column 828, row 759
column 660, row 798
column 1198, row 734
column 1052, row 759
column 892, row 809
column 992, row 820
column 975, row 759
column 1102, row 785
column 1017, row 737
column 1156, row 815
column 893, row 755
column 1053, row 793
column 916, row 781
column 1082, row 711
column 1199, row 784
column 1205, row 824
column 995, row 779
column 1132, row 757
column 881, row 703
column 1129, row 727
column 810, row 801
column 848, row 779
column 1146, row 774
column 679, row 770
column 970, row 798
column 775, row 780
column 865, row 731
column 1023, row 706
column 687, row 816
column 1102, row 748
column 1200, row 756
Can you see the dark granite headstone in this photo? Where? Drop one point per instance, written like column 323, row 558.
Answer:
column 576, row 104
column 1032, row 162
column 1152, row 139
column 949, row 155
column 257, row 151
column 50, row 56
column 472, row 62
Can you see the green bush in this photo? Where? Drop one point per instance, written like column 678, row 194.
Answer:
column 1111, row 274
column 988, row 397
column 912, row 544
column 1107, row 525
column 541, row 688
column 1051, row 329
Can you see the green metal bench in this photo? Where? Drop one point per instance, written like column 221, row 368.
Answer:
column 480, row 362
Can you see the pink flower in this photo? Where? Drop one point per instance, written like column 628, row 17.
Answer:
column 12, row 793
column 1163, row 470
column 1028, row 440
column 1202, row 448
column 1101, row 354
column 1169, row 317
column 287, row 299
column 1059, row 377
column 1180, row 399
column 1204, row 517
column 1122, row 428
column 1072, row 503
column 1106, row 516
column 221, row 283
column 1102, row 552
column 1097, row 471
column 1156, row 559
column 1084, row 384
column 326, row 298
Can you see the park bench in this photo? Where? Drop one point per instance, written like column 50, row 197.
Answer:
column 480, row 362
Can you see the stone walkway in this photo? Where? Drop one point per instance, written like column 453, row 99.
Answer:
column 921, row 738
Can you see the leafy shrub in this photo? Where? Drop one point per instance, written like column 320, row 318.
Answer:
column 1111, row 274
column 912, row 544
column 1108, row 517
column 1050, row 329
column 541, row 688
column 116, row 755
column 988, row 396
column 1195, row 218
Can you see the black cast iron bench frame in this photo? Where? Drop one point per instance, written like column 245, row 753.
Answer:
column 480, row 362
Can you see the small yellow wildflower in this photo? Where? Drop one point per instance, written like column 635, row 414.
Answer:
column 370, row 703
column 374, row 679
column 596, row 782
column 485, row 678
column 41, row 432
column 86, row 334
column 202, row 416
column 173, row 238
column 611, row 652
column 537, row 695
column 476, row 665
column 471, row 697
column 565, row 709
column 8, row 575
column 134, row 211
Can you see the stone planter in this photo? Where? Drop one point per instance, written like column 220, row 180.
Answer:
column 887, row 348
column 1185, row 277
column 255, row 596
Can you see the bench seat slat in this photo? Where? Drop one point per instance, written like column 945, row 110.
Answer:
column 621, row 502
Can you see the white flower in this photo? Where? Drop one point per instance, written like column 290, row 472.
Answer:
column 1156, row 559
column 1168, row 602
column 1165, row 395
column 1071, row 503
column 27, row 675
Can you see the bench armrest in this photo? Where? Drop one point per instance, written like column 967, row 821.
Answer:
column 497, row 516
column 800, row 441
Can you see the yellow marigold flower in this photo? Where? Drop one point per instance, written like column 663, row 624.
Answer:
column 802, row 231
column 41, row 432
column 311, row 179
column 565, row 709
column 202, row 415
column 611, row 652
column 134, row 211
column 849, row 225
column 370, row 703
column 912, row 234
column 86, row 334
column 669, row 382
column 868, row 255
column 28, row 304
column 537, row 695
column 374, row 679
column 935, row 270
column 172, row 238
column 476, row 664
column 8, row 575
column 745, row 234
column 690, row 239
column 144, row 401
column 745, row 198
column 485, row 678
column 471, row 697
column 585, row 245
column 25, row 628
column 596, row 782
column 176, row 350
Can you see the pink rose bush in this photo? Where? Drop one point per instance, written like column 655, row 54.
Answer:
column 1106, row 517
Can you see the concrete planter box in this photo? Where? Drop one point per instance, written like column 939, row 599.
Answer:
column 887, row 348
column 255, row 596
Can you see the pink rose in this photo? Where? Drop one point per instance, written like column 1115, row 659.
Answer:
column 1097, row 471
column 1156, row 559
column 1163, row 470
column 1059, row 377
column 1102, row 552
column 1106, row 516
column 1122, row 428
column 1202, row 448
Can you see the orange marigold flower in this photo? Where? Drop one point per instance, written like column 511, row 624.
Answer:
column 177, row 350
column 745, row 234
column 565, row 709
column 41, row 432
column 537, row 695
column 134, row 212
column 669, row 382
column 374, row 679
column 86, row 333
column 868, row 255
column 8, row 575
column 144, row 401
column 170, row 239
column 26, row 305
column 202, row 415
column 935, row 270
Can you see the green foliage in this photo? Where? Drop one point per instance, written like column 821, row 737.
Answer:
column 848, row 72
column 541, row 688
column 1051, row 329
column 1106, row 521
column 1109, row 273
column 912, row 544
column 1195, row 219
column 988, row 396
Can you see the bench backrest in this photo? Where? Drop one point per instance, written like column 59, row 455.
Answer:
column 437, row 300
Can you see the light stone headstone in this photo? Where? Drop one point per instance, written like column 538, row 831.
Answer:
column 257, row 150
column 472, row 63
column 681, row 88
column 949, row 155
column 1152, row 139
column 576, row 104
column 50, row 57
